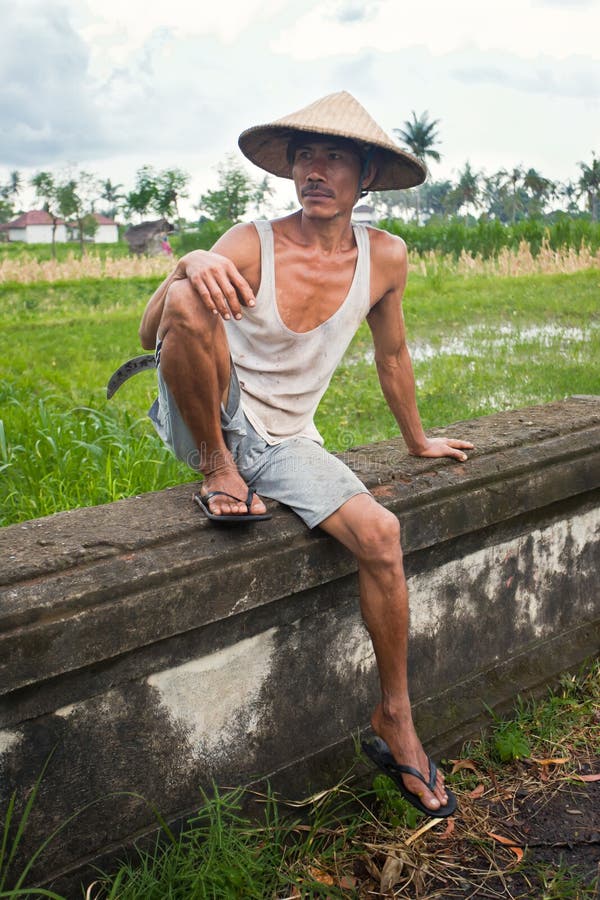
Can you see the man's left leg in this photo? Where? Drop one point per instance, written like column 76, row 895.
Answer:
column 372, row 533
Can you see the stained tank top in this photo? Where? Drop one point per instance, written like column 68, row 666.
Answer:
column 283, row 373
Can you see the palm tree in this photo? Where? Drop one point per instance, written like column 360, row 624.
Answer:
column 569, row 191
column 419, row 135
column 113, row 196
column 467, row 190
column 513, row 178
column 540, row 189
column 589, row 184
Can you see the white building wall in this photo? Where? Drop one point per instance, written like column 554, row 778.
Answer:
column 42, row 234
column 106, row 234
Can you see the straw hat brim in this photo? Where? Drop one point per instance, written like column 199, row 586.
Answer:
column 342, row 116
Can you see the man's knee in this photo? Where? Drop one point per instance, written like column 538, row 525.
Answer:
column 378, row 537
column 185, row 316
column 179, row 300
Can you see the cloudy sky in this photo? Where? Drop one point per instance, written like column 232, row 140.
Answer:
column 111, row 85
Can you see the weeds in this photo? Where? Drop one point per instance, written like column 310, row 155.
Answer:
column 479, row 345
column 354, row 842
column 55, row 457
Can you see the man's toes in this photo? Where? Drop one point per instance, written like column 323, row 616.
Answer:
column 431, row 801
column 257, row 507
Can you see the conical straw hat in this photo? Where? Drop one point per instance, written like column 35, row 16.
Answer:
column 340, row 115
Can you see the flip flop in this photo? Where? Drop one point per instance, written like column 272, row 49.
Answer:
column 202, row 501
column 378, row 751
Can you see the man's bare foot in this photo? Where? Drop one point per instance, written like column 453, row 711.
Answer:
column 229, row 480
column 400, row 736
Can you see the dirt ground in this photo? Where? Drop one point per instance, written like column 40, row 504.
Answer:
column 539, row 839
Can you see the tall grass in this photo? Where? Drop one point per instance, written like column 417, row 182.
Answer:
column 55, row 457
column 508, row 261
column 479, row 344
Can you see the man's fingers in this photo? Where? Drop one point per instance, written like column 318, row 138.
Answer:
column 221, row 292
column 243, row 290
column 466, row 445
column 229, row 297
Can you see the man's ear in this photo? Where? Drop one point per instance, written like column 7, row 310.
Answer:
column 369, row 176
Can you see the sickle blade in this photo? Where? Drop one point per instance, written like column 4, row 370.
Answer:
column 128, row 370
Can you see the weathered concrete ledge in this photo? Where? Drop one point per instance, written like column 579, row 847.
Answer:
column 153, row 652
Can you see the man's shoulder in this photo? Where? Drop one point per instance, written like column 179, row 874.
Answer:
column 240, row 243
column 386, row 248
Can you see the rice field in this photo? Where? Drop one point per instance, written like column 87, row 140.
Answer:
column 480, row 343
column 24, row 269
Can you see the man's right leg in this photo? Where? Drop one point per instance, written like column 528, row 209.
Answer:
column 195, row 364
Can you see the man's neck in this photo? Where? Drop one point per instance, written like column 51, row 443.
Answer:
column 329, row 235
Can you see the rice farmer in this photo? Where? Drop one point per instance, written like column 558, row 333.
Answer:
column 247, row 337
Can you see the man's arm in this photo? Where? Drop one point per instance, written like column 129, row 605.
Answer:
column 394, row 366
column 216, row 276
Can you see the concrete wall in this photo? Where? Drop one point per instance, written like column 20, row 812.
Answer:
column 153, row 652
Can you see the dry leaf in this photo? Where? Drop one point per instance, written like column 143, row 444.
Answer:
column 553, row 761
column 348, row 882
column 476, row 792
column 463, row 764
column 449, row 828
column 587, row 777
column 390, row 874
column 320, row 876
column 508, row 842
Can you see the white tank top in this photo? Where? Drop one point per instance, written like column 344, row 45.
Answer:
column 283, row 373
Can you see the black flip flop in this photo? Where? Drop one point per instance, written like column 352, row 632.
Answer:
column 202, row 501
column 378, row 751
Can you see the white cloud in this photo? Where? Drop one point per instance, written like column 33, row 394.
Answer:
column 518, row 26
column 116, row 85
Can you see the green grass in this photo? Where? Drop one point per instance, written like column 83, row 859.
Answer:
column 254, row 847
column 64, row 250
column 480, row 345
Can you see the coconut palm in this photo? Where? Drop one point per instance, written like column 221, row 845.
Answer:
column 512, row 178
column 113, row 196
column 419, row 135
column 540, row 190
column 589, row 184
column 467, row 191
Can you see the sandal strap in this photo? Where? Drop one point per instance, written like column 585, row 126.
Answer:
column 248, row 501
column 409, row 770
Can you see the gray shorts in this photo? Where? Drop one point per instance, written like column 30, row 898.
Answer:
column 297, row 472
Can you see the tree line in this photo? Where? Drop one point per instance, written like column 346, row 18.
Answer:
column 507, row 196
column 75, row 195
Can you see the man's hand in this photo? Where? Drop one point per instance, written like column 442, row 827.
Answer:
column 218, row 283
column 444, row 447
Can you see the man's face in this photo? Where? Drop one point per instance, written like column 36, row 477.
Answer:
column 326, row 175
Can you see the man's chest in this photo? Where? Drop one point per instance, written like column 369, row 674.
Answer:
column 310, row 290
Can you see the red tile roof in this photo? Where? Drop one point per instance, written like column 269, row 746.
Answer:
column 103, row 220
column 33, row 217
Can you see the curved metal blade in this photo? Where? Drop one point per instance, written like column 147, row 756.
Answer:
column 127, row 370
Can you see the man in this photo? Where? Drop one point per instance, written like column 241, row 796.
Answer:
column 247, row 336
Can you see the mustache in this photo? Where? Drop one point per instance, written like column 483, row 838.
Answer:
column 316, row 188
